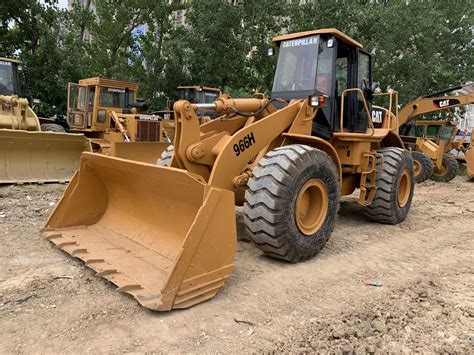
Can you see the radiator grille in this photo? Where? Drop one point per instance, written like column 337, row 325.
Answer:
column 148, row 131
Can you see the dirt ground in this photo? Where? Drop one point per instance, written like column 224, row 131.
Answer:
column 50, row 302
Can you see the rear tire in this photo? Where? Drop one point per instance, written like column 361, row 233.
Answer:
column 448, row 171
column 395, row 186
column 52, row 127
column 291, row 202
column 423, row 166
column 166, row 156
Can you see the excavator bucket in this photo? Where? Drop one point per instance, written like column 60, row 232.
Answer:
column 39, row 156
column 158, row 233
column 147, row 152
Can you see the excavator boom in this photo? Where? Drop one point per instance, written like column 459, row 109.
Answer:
column 430, row 103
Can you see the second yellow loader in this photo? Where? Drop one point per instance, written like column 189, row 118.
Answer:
column 28, row 153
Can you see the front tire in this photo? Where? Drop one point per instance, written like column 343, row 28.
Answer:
column 395, row 186
column 448, row 171
column 291, row 202
column 423, row 166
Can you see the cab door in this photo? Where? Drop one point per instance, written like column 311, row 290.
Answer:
column 364, row 82
column 77, row 113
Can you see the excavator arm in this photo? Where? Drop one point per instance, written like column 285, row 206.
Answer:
column 430, row 103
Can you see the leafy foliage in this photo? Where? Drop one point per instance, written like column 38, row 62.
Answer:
column 419, row 47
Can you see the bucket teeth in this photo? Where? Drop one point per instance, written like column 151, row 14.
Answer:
column 54, row 236
column 79, row 251
column 106, row 272
column 92, row 261
column 128, row 288
column 65, row 243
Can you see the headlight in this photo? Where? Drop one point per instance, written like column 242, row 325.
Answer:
column 317, row 101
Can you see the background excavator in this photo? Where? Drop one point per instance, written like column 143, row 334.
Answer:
column 432, row 140
column 28, row 152
column 167, row 234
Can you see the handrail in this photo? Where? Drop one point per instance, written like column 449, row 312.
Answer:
column 390, row 95
column 366, row 109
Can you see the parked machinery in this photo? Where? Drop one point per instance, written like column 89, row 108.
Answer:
column 108, row 113
column 28, row 153
column 432, row 140
column 167, row 235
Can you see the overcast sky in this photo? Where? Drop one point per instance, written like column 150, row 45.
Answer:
column 63, row 4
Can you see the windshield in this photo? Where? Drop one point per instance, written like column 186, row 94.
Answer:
column 207, row 97
column 187, row 94
column 446, row 132
column 194, row 96
column 77, row 97
column 296, row 68
column 111, row 97
column 8, row 78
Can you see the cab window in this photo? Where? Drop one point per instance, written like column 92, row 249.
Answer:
column 111, row 97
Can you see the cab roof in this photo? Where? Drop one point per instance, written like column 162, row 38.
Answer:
column 330, row 31
column 10, row 60
column 110, row 83
column 199, row 88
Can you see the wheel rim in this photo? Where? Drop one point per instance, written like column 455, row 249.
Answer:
column 404, row 186
column 417, row 167
column 311, row 206
column 442, row 171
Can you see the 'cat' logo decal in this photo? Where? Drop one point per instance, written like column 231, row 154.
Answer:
column 443, row 103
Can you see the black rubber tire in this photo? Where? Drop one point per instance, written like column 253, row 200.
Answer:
column 385, row 207
column 426, row 166
column 452, row 169
column 52, row 127
column 166, row 156
column 270, row 201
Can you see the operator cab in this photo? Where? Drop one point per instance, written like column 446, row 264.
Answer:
column 91, row 101
column 198, row 94
column 9, row 84
column 325, row 63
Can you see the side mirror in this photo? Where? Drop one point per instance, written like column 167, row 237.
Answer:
column 271, row 52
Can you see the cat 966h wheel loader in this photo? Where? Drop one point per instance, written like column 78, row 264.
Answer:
column 27, row 152
column 167, row 234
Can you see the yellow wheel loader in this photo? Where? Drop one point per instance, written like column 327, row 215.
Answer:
column 27, row 152
column 167, row 234
column 108, row 113
column 432, row 140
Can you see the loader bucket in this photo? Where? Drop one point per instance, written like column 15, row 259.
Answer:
column 147, row 152
column 158, row 233
column 39, row 156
